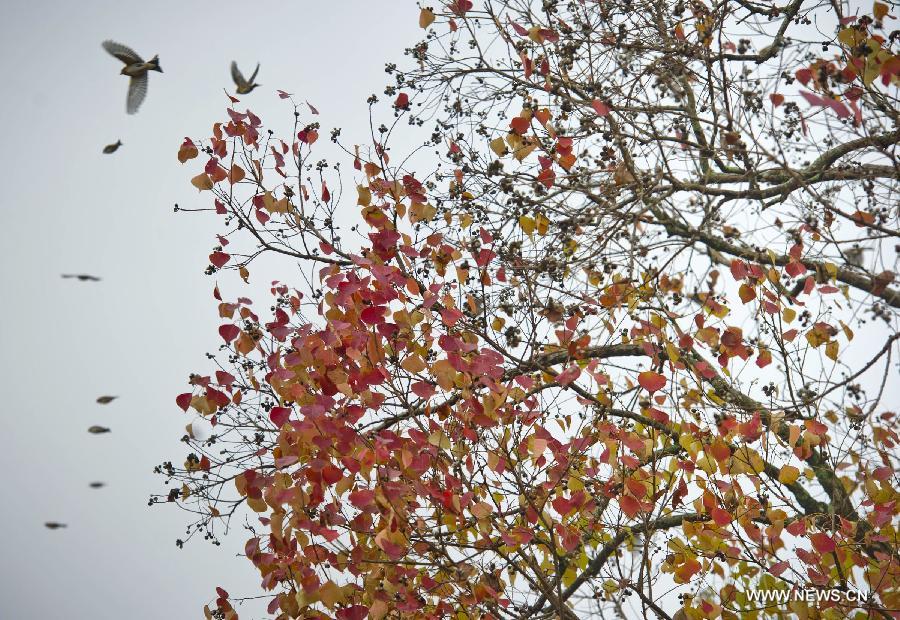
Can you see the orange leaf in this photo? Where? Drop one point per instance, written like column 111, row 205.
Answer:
column 202, row 181
column 426, row 18
column 651, row 381
column 237, row 173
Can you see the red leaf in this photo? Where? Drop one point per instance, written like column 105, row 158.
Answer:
column 651, row 381
column 519, row 125
column 721, row 516
column 279, row 415
column 229, row 332
column 361, row 499
column 184, row 400
column 804, row 76
column 568, row 375
column 778, row 568
column 822, row 542
column 219, row 259
column 423, row 390
column 312, row 108
column 460, row 7
column 372, row 315
column 629, row 505
column 354, row 612
column 600, row 108
column 402, row 102
column 776, row 99
column 522, row 32
column 283, row 94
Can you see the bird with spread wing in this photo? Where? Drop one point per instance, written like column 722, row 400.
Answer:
column 136, row 69
column 244, row 86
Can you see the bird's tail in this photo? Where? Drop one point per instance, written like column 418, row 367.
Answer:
column 154, row 64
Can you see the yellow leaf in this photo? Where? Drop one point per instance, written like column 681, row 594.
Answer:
column 788, row 315
column 526, row 223
column 542, row 224
column 202, row 181
column 788, row 474
column 847, row 331
column 245, row 274
column 498, row 145
column 364, row 196
column 525, row 150
column 426, row 18
column 832, row 349
column 439, row 439
column 879, row 10
column 465, row 220
column 419, row 212
column 330, row 594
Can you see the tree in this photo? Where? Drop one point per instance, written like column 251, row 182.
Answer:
column 594, row 353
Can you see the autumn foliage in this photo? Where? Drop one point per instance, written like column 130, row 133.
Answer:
column 623, row 341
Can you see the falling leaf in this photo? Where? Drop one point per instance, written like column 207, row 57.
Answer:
column 98, row 430
column 105, row 400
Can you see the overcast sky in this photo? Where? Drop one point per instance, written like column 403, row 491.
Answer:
column 139, row 332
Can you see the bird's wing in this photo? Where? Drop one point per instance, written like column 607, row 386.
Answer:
column 122, row 52
column 253, row 77
column 236, row 75
column 137, row 90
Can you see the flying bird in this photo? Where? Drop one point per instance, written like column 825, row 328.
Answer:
column 98, row 430
column 53, row 525
column 83, row 277
column 97, row 485
column 244, row 86
column 136, row 69
column 105, row 400
column 112, row 148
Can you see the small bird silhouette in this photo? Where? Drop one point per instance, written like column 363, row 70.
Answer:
column 136, row 69
column 83, row 277
column 112, row 148
column 854, row 256
column 97, row 485
column 105, row 400
column 53, row 525
column 244, row 86
column 98, row 430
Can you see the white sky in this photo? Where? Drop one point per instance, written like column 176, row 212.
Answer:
column 139, row 332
